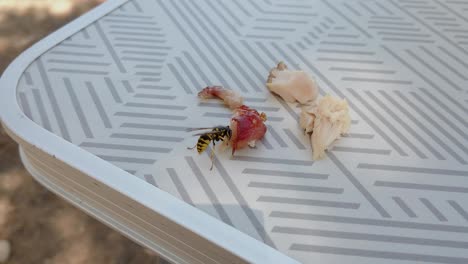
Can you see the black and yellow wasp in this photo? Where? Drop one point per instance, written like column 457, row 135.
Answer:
column 218, row 133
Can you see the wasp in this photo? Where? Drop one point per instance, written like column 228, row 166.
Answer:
column 218, row 133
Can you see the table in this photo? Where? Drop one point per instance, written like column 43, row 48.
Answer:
column 100, row 109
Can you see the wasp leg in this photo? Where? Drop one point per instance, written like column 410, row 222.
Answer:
column 192, row 147
column 212, row 155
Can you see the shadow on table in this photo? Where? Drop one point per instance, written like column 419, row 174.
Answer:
column 24, row 22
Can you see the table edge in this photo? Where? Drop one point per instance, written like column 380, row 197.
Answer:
column 21, row 128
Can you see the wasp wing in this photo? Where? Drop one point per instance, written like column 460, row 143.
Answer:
column 209, row 133
column 195, row 129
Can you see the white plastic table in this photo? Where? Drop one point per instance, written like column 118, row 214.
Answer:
column 100, row 110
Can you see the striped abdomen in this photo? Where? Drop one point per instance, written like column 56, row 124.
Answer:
column 203, row 142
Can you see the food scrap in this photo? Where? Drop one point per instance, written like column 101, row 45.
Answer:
column 230, row 98
column 246, row 127
column 292, row 85
column 325, row 121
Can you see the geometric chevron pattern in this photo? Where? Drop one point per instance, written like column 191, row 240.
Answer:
column 393, row 190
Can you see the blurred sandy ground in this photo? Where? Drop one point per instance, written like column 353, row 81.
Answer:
column 41, row 227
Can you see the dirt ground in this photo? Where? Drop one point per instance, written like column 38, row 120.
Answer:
column 41, row 227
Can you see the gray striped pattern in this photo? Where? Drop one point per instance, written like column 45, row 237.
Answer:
column 395, row 188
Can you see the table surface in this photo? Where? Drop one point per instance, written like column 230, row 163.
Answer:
column 394, row 190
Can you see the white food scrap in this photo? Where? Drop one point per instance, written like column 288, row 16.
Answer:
column 307, row 117
column 292, row 85
column 326, row 122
